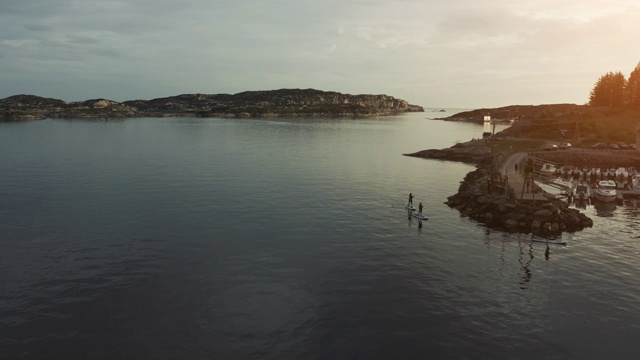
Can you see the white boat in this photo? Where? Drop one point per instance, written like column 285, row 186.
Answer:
column 604, row 173
column 563, row 183
column 606, row 191
column 621, row 171
column 575, row 172
column 581, row 192
column 548, row 170
column 565, row 171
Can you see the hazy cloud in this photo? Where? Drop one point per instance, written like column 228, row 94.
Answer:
column 459, row 53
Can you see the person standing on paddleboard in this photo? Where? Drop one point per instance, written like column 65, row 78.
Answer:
column 420, row 209
column 410, row 200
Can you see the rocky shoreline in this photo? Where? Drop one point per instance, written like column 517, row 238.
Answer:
column 498, row 207
column 273, row 103
column 485, row 197
column 472, row 152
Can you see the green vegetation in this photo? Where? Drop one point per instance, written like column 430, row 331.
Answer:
column 515, row 145
column 612, row 89
column 583, row 128
column 632, row 94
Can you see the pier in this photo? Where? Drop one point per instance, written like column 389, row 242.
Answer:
column 524, row 181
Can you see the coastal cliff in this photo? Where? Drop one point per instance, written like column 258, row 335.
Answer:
column 284, row 102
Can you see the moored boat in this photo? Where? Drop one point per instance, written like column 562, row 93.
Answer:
column 606, row 191
column 581, row 192
column 548, row 170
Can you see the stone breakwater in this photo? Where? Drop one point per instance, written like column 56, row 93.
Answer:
column 497, row 207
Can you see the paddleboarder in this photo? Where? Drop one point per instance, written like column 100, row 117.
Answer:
column 420, row 209
column 410, row 200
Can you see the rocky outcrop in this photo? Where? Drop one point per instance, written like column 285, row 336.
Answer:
column 497, row 207
column 96, row 108
column 284, row 102
column 29, row 107
column 471, row 152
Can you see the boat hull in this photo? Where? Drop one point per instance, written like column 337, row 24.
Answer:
column 606, row 197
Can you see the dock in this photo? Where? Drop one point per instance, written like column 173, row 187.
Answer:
column 515, row 179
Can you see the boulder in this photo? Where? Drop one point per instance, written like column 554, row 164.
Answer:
column 536, row 224
column 511, row 224
column 542, row 214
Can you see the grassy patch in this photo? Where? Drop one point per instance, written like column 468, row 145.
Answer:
column 516, row 145
column 585, row 127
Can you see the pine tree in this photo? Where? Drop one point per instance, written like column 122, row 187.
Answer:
column 609, row 90
column 632, row 90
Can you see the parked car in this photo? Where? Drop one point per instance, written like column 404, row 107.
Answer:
column 632, row 146
column 614, row 147
column 552, row 147
column 622, row 145
column 564, row 146
column 599, row 146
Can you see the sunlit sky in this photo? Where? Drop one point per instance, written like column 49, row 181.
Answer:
column 433, row 53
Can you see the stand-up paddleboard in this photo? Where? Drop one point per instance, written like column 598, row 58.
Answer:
column 409, row 207
column 557, row 242
column 421, row 217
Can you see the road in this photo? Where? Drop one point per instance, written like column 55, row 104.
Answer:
column 516, row 178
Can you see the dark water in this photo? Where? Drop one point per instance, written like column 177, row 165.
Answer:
column 282, row 239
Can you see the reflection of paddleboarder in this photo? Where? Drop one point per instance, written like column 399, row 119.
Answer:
column 410, row 200
column 546, row 253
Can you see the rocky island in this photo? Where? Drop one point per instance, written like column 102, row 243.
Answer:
column 284, row 102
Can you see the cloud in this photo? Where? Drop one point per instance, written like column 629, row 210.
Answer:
column 331, row 49
column 458, row 51
column 81, row 39
column 32, row 8
column 38, row 28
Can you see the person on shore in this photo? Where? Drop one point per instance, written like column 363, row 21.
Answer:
column 410, row 204
column 420, row 209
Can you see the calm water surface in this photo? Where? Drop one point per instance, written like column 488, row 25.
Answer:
column 286, row 238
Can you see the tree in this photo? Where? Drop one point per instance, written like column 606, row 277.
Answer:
column 632, row 90
column 609, row 90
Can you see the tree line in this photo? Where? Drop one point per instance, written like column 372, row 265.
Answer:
column 613, row 89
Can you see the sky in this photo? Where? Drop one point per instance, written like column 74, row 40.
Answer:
column 432, row 53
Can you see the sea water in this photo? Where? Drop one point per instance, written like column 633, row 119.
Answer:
column 285, row 238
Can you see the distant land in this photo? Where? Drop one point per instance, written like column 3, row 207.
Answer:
column 518, row 112
column 271, row 103
column 581, row 125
